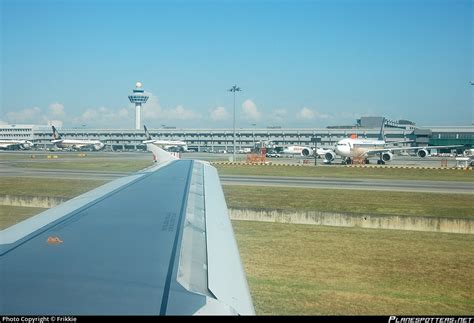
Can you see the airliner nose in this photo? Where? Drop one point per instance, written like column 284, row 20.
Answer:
column 99, row 146
column 27, row 144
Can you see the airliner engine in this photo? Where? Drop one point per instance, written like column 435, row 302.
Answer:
column 26, row 145
column 329, row 156
column 98, row 146
column 387, row 156
column 422, row 153
column 306, row 152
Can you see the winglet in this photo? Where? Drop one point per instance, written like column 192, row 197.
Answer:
column 160, row 155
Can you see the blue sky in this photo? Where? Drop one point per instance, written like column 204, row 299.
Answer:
column 299, row 63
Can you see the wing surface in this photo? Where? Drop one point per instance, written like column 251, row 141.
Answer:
column 158, row 242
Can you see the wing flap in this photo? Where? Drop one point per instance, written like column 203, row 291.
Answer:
column 227, row 279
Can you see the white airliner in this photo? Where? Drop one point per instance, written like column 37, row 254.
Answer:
column 306, row 151
column 350, row 148
column 75, row 143
column 171, row 145
column 11, row 144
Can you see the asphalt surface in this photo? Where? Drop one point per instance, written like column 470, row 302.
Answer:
column 353, row 184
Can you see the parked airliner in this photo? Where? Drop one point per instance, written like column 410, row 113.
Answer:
column 75, row 143
column 171, row 145
column 350, row 148
column 12, row 144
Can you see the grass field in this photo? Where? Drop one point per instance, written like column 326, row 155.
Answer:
column 369, row 202
column 56, row 187
column 39, row 187
column 10, row 215
column 105, row 164
column 279, row 198
column 348, row 172
column 313, row 270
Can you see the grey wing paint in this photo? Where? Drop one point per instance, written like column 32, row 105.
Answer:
column 158, row 242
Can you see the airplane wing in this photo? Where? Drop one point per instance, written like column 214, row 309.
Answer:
column 426, row 147
column 158, row 242
column 19, row 145
column 80, row 146
column 10, row 145
column 392, row 149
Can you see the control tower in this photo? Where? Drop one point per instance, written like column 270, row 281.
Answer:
column 138, row 97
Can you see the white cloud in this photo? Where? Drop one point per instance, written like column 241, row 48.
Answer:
column 279, row 116
column 305, row 114
column 250, row 111
column 89, row 115
column 152, row 110
column 123, row 113
column 104, row 117
column 220, row 114
column 36, row 115
column 320, row 115
column 3, row 122
column 56, row 123
column 308, row 114
column 56, row 110
column 180, row 113
column 28, row 115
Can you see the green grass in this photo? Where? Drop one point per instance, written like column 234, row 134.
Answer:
column 56, row 187
column 347, row 201
column 348, row 172
column 10, row 215
column 43, row 155
column 39, row 187
column 279, row 198
column 314, row 270
column 101, row 164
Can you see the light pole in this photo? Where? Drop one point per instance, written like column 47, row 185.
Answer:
column 315, row 153
column 253, row 134
column 234, row 89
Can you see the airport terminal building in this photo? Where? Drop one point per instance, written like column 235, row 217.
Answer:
column 400, row 133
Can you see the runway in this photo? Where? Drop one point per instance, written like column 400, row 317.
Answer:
column 7, row 170
column 352, row 184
